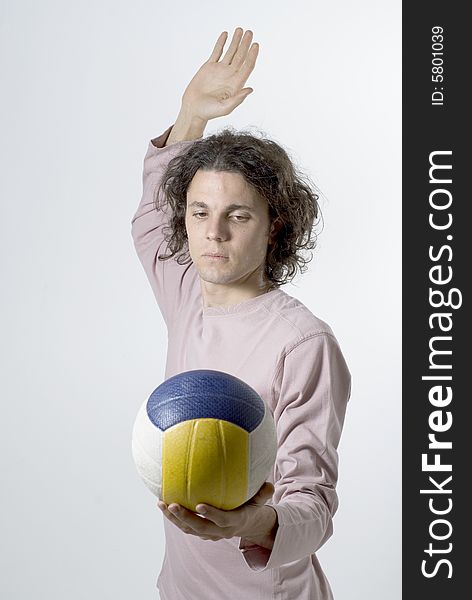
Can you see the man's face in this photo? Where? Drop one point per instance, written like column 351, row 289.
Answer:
column 227, row 227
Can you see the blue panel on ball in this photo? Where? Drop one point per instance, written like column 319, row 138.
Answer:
column 205, row 394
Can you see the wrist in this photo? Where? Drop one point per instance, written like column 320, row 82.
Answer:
column 266, row 538
column 187, row 127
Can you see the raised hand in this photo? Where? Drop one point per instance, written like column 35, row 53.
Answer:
column 217, row 87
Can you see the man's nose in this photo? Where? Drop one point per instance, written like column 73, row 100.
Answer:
column 217, row 229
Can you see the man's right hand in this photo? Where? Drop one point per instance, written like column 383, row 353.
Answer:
column 217, row 87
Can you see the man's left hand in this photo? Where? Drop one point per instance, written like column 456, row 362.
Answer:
column 253, row 521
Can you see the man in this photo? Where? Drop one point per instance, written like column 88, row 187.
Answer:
column 219, row 229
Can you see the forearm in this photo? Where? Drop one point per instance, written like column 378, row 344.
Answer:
column 186, row 127
column 301, row 529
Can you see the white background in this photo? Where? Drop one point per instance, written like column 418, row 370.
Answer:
column 85, row 85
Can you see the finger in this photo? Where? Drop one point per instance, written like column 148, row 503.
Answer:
column 197, row 524
column 242, row 51
column 185, row 526
column 173, row 519
column 248, row 65
column 218, row 49
column 237, row 35
column 221, row 518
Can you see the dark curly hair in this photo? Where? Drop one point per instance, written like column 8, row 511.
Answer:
column 268, row 169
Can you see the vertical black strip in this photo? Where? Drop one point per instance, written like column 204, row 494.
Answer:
column 437, row 259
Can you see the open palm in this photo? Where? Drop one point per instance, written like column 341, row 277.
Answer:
column 217, row 87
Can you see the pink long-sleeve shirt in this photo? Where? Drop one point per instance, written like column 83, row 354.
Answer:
column 293, row 360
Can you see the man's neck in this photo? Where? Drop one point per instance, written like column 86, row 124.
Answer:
column 227, row 295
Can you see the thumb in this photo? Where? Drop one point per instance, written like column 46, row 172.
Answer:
column 246, row 91
column 237, row 99
column 263, row 495
column 243, row 93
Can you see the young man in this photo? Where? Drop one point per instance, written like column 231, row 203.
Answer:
column 219, row 229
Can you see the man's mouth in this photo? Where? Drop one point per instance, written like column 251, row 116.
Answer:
column 215, row 256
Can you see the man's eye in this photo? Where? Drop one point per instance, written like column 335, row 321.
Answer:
column 240, row 217
column 199, row 215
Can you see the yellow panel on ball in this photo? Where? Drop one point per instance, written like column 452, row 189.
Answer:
column 205, row 461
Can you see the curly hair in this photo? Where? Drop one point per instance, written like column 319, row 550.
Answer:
column 268, row 169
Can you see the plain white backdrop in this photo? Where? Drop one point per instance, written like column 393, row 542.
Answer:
column 85, row 86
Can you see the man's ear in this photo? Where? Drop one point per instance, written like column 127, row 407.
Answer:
column 275, row 227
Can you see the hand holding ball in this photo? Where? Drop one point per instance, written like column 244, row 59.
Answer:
column 205, row 437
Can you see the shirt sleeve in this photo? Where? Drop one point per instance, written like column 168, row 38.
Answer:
column 148, row 227
column 312, row 386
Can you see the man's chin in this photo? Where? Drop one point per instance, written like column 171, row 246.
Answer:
column 215, row 279
column 214, row 276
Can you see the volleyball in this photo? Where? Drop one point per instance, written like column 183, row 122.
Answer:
column 204, row 436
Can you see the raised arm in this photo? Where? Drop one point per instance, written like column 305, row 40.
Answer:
column 214, row 91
